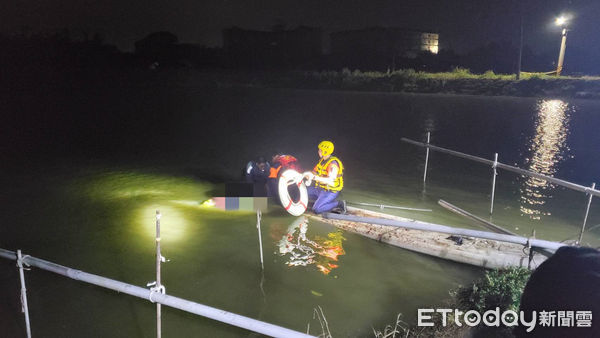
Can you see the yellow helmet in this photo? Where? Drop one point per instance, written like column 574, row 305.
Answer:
column 326, row 148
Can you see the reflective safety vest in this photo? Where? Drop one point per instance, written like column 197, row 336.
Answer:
column 274, row 172
column 322, row 169
column 283, row 161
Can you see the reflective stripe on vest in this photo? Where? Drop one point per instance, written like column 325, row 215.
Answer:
column 321, row 169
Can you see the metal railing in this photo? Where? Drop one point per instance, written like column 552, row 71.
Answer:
column 423, row 226
column 150, row 295
column 156, row 293
column 590, row 191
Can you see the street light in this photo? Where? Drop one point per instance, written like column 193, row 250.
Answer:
column 562, row 22
column 520, row 41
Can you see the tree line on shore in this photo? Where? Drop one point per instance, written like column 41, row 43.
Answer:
column 163, row 50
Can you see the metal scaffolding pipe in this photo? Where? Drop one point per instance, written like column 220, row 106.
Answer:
column 383, row 206
column 587, row 211
column 447, row 151
column 507, row 167
column 164, row 299
column 449, row 230
column 158, row 282
column 494, row 183
column 426, row 158
column 258, row 217
column 489, row 225
column 23, row 292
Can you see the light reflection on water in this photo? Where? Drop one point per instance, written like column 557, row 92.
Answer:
column 547, row 149
column 173, row 226
column 141, row 194
column 302, row 251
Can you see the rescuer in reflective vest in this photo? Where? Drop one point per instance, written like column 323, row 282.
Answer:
column 328, row 175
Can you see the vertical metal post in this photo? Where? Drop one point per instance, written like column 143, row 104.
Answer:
column 158, row 283
column 530, row 249
column 426, row 157
column 587, row 211
column 24, row 309
column 494, row 183
column 258, row 217
column 561, row 53
column 520, row 42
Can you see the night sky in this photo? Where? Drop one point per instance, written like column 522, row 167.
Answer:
column 463, row 24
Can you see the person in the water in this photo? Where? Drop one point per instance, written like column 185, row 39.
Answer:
column 257, row 173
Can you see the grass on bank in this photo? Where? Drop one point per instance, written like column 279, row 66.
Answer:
column 498, row 288
column 456, row 73
column 457, row 81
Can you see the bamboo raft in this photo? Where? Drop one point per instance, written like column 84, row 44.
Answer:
column 480, row 252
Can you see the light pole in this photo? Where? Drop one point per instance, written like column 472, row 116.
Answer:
column 562, row 22
column 520, row 41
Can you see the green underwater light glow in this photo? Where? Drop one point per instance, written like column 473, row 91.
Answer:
column 173, row 224
column 123, row 185
column 134, row 198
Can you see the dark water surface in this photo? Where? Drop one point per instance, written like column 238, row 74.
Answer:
column 85, row 169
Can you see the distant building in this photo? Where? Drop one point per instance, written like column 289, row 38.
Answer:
column 155, row 43
column 385, row 40
column 162, row 49
column 301, row 46
column 381, row 46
